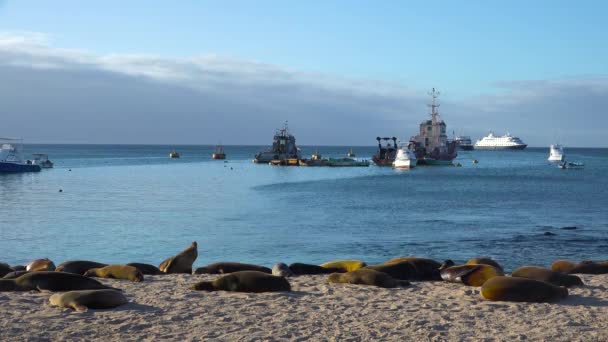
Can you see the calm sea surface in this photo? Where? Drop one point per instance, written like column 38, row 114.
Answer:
column 132, row 203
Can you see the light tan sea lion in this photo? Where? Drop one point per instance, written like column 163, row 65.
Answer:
column 515, row 289
column 367, row 277
column 85, row 299
column 583, row 267
column 470, row 275
column 230, row 267
column 51, row 281
column 245, row 281
column 40, row 265
column 345, row 265
column 181, row 263
column 116, row 272
column 78, row 266
column 485, row 261
column 549, row 276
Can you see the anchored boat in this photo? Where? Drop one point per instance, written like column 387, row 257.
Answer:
column 283, row 148
column 385, row 156
column 42, row 160
column 11, row 160
column 405, row 159
column 505, row 142
column 219, row 153
column 174, row 154
column 556, row 153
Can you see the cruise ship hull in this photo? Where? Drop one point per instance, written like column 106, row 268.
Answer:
column 515, row 147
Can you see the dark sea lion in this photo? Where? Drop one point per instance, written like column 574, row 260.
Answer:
column 470, row 275
column 364, row 276
column 485, row 261
column 516, row 289
column 5, row 269
column 146, row 269
column 583, row 267
column 40, row 265
column 51, row 281
column 431, row 262
column 78, row 266
column 15, row 274
column 85, row 299
column 181, row 263
column 403, row 270
column 281, row 270
column 549, row 276
column 230, row 267
column 424, row 269
column 18, row 268
column 344, row 265
column 116, row 272
column 299, row 268
column 245, row 281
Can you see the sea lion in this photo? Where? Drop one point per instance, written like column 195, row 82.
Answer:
column 515, row 289
column 18, row 268
column 549, row 276
column 230, row 267
column 281, row 270
column 40, row 265
column 116, row 272
column 344, row 265
column 15, row 274
column 245, row 281
column 424, row 269
column 85, row 299
column 51, row 281
column 399, row 270
column 470, row 275
column 78, row 266
column 583, row 267
column 5, row 269
column 485, row 261
column 182, row 262
column 364, row 276
column 299, row 268
column 146, row 269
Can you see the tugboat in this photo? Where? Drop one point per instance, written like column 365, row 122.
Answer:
column 11, row 160
column 42, row 160
column 283, row 151
column 405, row 159
column 219, row 153
column 174, row 154
column 386, row 154
column 350, row 153
column 431, row 146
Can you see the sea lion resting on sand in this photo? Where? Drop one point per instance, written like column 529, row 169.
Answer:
column 299, row 268
column 549, row 276
column 515, row 289
column 230, row 267
column 181, row 263
column 5, row 269
column 40, row 265
column 83, row 300
column 51, row 281
column 412, row 268
column 281, row 270
column 367, row 277
column 15, row 274
column 583, row 267
column 344, row 265
column 78, row 266
column 245, row 281
column 116, row 272
column 471, row 275
column 485, row 261
column 146, row 269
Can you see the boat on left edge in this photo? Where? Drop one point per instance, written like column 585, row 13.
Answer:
column 11, row 160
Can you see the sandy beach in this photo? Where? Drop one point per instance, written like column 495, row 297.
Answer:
column 162, row 307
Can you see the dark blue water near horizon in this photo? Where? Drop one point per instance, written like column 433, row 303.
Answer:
column 126, row 203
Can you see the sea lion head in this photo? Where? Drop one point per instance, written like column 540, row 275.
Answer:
column 40, row 265
column 203, row 286
column 446, row 263
column 137, row 277
column 55, row 299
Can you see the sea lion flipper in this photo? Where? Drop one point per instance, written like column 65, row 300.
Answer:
column 80, row 308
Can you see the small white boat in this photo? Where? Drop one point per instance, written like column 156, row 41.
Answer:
column 405, row 159
column 42, row 160
column 556, row 153
column 571, row 165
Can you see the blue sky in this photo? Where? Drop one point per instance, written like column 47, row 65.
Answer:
column 471, row 50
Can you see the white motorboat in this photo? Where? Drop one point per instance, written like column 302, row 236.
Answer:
column 556, row 153
column 405, row 159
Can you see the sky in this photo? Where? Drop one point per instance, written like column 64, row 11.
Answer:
column 341, row 72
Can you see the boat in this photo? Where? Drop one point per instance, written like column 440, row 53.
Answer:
column 431, row 145
column 571, row 165
column 11, row 160
column 494, row 142
column 285, row 162
column 464, row 142
column 347, row 162
column 42, row 160
column 385, row 156
column 283, row 148
column 218, row 153
column 405, row 159
column 556, row 153
column 174, row 154
column 351, row 154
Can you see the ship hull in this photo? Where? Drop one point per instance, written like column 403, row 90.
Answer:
column 466, row 147
column 434, row 162
column 515, row 147
column 18, row 168
column 218, row 156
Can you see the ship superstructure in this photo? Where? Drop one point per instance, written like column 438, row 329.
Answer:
column 283, row 148
column 503, row 142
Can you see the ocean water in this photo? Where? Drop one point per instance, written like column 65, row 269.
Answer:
column 133, row 204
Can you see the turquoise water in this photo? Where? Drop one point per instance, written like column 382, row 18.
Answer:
column 131, row 203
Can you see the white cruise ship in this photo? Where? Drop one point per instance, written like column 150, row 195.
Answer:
column 505, row 142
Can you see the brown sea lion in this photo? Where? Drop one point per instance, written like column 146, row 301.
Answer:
column 423, row 268
column 40, row 265
column 485, row 261
column 146, row 269
column 344, row 265
column 51, row 281
column 364, row 276
column 583, row 267
column 78, row 266
column 15, row 274
column 470, row 275
column 543, row 274
column 516, row 289
column 85, row 299
column 116, row 272
column 299, row 268
column 230, row 267
column 403, row 270
column 181, row 263
column 5, row 269
column 245, row 281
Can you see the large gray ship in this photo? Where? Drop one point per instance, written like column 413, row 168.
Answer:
column 283, row 148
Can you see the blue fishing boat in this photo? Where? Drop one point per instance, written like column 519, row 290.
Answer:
column 11, row 160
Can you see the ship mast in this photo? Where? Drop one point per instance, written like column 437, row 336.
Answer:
column 434, row 105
